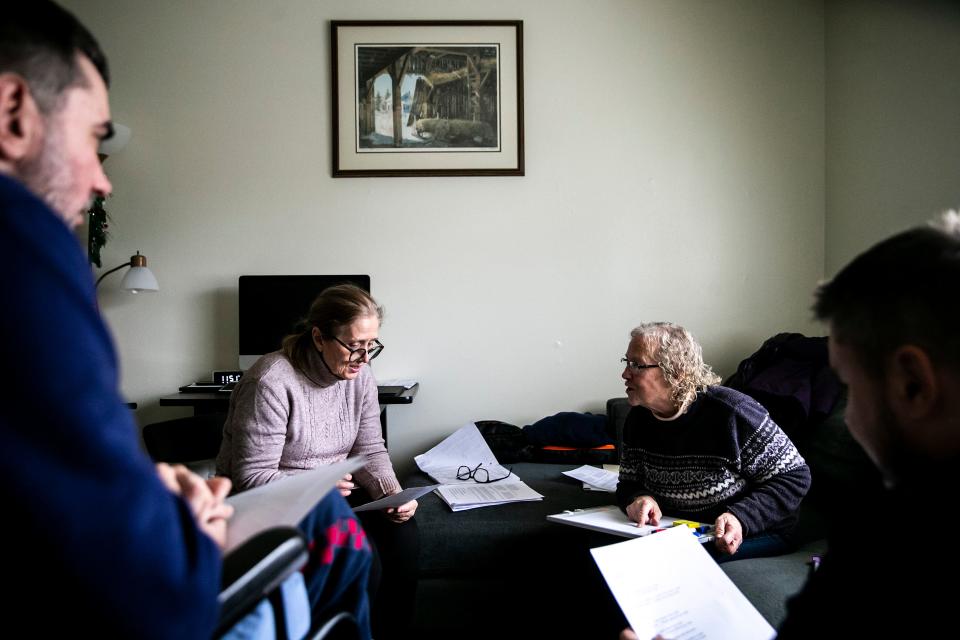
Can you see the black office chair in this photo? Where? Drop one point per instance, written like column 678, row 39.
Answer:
column 263, row 595
column 185, row 439
column 342, row 626
column 253, row 572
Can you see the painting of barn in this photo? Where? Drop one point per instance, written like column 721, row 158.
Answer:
column 427, row 97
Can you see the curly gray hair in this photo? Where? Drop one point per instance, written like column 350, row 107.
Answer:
column 680, row 358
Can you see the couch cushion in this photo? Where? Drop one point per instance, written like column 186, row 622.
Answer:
column 769, row 582
column 490, row 570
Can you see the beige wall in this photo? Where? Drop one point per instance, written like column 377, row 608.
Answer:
column 893, row 119
column 675, row 170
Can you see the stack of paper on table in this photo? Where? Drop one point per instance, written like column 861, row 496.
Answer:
column 666, row 584
column 471, row 496
column 467, row 448
column 594, row 479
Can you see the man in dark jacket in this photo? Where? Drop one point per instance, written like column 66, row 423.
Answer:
column 894, row 314
column 96, row 539
column 91, row 528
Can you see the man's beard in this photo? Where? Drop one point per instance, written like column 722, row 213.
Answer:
column 47, row 175
column 893, row 455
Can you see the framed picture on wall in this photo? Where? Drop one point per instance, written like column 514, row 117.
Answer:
column 427, row 98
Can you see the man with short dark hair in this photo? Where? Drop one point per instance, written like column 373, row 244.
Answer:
column 54, row 92
column 894, row 315
column 95, row 538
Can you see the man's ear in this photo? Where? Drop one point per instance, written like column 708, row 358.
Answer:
column 21, row 123
column 912, row 384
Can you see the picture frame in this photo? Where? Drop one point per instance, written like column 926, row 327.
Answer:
column 427, row 98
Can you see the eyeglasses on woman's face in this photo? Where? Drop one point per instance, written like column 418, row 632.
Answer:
column 370, row 350
column 637, row 367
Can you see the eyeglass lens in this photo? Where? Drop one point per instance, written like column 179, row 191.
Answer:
column 637, row 366
column 356, row 355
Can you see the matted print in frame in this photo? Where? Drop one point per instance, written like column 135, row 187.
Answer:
column 427, row 98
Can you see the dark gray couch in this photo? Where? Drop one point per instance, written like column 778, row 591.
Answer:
column 492, row 569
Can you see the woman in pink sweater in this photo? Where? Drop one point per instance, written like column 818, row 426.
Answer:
column 315, row 402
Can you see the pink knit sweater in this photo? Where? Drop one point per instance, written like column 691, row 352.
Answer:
column 282, row 421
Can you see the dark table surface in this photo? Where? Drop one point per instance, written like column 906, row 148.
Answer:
column 478, row 539
column 220, row 399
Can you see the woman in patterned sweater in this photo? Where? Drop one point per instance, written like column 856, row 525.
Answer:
column 696, row 450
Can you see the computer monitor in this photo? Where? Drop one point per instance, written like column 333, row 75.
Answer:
column 270, row 307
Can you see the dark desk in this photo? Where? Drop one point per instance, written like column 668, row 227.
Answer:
column 218, row 402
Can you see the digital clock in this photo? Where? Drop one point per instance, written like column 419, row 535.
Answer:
column 226, row 377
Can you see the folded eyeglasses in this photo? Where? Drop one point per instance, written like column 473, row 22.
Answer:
column 479, row 474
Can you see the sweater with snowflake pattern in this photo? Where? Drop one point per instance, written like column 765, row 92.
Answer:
column 724, row 454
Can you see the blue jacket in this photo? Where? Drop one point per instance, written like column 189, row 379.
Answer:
column 91, row 538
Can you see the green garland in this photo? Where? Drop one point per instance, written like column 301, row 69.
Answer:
column 98, row 234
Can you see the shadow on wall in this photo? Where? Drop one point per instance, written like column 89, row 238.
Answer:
column 218, row 337
column 223, row 333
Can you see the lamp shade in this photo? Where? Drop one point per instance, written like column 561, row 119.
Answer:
column 119, row 139
column 139, row 279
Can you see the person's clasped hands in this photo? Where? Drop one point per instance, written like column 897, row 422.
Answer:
column 206, row 498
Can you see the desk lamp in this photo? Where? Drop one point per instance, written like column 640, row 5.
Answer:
column 138, row 279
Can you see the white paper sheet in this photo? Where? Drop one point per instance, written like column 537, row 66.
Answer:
column 406, row 383
column 283, row 503
column 666, row 584
column 396, row 499
column 464, row 447
column 596, row 478
column 610, row 519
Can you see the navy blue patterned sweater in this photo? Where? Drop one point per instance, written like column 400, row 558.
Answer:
column 723, row 454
